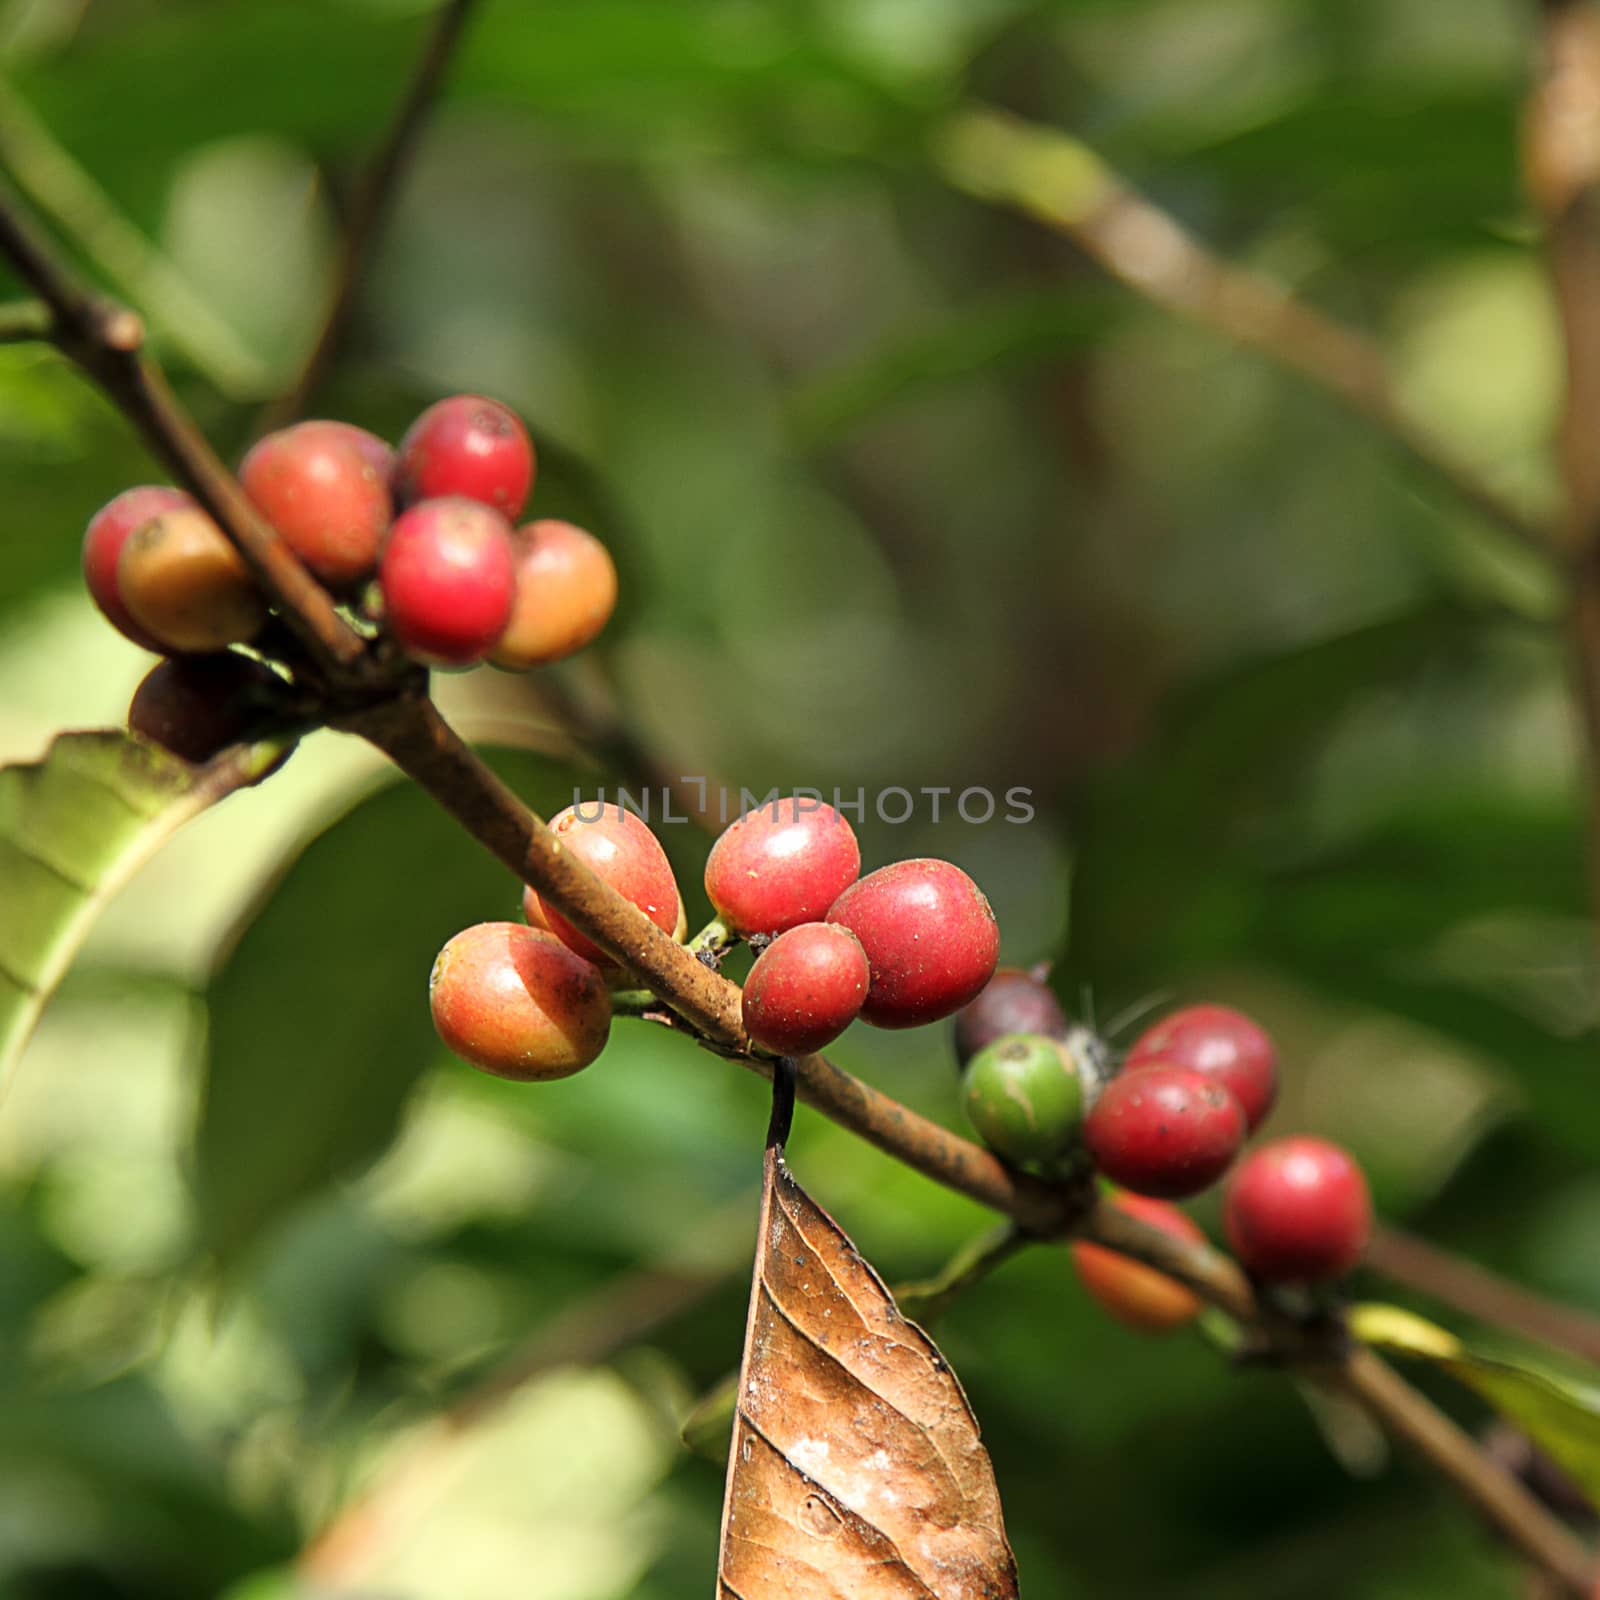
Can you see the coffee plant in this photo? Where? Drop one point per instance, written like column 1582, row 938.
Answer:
column 527, row 507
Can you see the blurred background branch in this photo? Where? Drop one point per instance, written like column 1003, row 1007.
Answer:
column 901, row 494
column 1059, row 181
column 368, row 207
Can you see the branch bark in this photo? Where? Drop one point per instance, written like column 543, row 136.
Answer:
column 105, row 340
column 121, row 254
column 1430, row 1434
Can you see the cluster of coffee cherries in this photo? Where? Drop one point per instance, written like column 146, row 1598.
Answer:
column 908, row 944
column 1163, row 1125
column 420, row 542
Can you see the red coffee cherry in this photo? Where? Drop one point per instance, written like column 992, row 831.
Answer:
column 186, row 585
column 930, row 936
column 103, row 540
column 448, row 577
column 780, row 865
column 1013, row 1001
column 518, row 1003
column 620, row 850
column 377, row 453
column 566, row 591
column 1222, row 1044
column 1164, row 1131
column 319, row 488
column 470, row 446
column 1298, row 1210
column 195, row 706
column 1133, row 1293
column 805, row 989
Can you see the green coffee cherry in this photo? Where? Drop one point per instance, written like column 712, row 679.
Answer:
column 1025, row 1098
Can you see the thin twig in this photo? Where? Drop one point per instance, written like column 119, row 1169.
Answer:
column 65, row 193
column 1065, row 185
column 422, row 744
column 927, row 1299
column 369, row 209
column 107, row 341
column 1561, row 162
column 1414, row 1420
column 1479, row 1293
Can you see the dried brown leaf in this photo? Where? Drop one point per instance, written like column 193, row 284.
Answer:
column 856, row 1472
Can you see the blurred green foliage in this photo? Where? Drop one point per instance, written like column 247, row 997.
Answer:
column 902, row 494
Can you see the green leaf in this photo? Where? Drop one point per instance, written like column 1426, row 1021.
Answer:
column 74, row 827
column 319, row 1018
column 1558, row 1410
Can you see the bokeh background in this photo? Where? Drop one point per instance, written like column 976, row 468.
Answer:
column 902, row 493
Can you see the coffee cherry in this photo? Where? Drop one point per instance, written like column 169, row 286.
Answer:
column 518, row 1003
column 377, row 453
column 1023, row 1096
column 319, row 488
column 1133, row 1293
column 1013, row 1001
column 805, row 989
column 103, row 540
column 470, row 446
column 1164, row 1131
column 780, row 865
column 448, row 577
column 930, row 936
column 186, row 585
column 195, row 706
column 621, row 851
column 566, row 589
column 1298, row 1210
column 1222, row 1044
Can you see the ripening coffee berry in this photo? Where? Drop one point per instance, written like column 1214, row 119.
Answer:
column 448, row 577
column 1221, row 1043
column 1133, row 1293
column 323, row 494
column 1164, row 1131
column 377, row 453
column 186, row 585
column 620, row 850
column 780, row 865
column 103, row 540
column 518, row 1003
column 1023, row 1096
column 195, row 706
column 930, row 936
column 1298, row 1210
column 805, row 989
column 566, row 591
column 1013, row 1001
column 466, row 445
